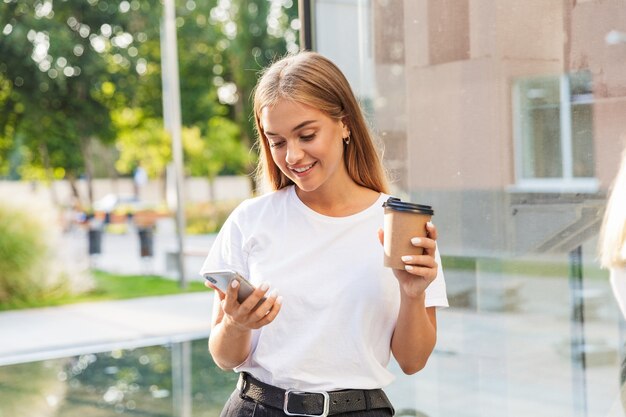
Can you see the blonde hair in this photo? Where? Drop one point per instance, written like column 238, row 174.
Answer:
column 613, row 231
column 309, row 78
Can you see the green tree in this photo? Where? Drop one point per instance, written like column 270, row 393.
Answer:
column 200, row 63
column 141, row 140
column 256, row 33
column 219, row 152
column 71, row 69
column 57, row 61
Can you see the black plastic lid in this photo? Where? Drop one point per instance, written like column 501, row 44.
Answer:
column 395, row 203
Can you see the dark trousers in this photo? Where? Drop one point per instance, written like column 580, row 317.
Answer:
column 244, row 407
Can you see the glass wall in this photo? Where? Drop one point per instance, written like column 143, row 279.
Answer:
column 174, row 379
column 507, row 117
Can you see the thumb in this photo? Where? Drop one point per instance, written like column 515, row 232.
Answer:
column 381, row 236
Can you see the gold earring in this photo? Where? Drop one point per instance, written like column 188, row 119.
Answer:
column 346, row 140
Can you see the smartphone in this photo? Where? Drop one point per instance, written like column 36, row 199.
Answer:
column 222, row 278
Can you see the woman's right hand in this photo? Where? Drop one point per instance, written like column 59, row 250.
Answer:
column 247, row 315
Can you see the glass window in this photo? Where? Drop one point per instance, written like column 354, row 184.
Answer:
column 171, row 379
column 554, row 133
column 540, row 128
column 507, row 120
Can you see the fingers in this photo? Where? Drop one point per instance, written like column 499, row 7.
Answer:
column 421, row 265
column 253, row 299
column 256, row 310
column 428, row 244
column 271, row 315
column 431, row 230
column 229, row 303
column 217, row 290
column 267, row 311
column 381, row 236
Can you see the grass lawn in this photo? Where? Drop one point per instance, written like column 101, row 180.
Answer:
column 113, row 287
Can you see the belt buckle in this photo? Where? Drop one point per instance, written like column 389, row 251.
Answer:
column 293, row 391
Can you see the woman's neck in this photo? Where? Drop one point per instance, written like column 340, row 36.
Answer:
column 339, row 200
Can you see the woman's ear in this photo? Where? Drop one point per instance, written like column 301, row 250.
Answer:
column 345, row 128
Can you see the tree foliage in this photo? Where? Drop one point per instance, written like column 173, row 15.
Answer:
column 216, row 153
column 141, row 141
column 77, row 72
column 59, row 60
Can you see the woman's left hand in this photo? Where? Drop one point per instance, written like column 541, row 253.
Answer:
column 420, row 270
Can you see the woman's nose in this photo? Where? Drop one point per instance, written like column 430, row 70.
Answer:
column 294, row 152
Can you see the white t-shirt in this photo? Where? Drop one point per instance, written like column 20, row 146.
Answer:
column 340, row 304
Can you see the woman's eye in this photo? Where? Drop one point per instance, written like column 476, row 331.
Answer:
column 276, row 144
column 307, row 137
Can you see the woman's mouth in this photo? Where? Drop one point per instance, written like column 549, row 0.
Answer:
column 302, row 170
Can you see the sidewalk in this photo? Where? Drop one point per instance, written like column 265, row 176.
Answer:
column 53, row 332
column 56, row 332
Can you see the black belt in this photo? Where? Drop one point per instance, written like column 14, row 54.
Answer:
column 311, row 403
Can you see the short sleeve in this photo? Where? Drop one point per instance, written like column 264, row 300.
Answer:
column 436, row 292
column 227, row 251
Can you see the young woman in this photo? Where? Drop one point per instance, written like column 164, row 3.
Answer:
column 321, row 347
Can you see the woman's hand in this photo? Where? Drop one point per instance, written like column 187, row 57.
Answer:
column 420, row 270
column 251, row 313
column 232, row 322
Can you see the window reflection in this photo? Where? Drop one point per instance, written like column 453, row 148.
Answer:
column 555, row 127
column 508, row 119
column 541, row 132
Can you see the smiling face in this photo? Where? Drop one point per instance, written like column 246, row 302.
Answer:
column 305, row 144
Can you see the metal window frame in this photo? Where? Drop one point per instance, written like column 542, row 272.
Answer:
column 307, row 25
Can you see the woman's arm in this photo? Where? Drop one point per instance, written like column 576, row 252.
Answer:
column 415, row 334
column 232, row 323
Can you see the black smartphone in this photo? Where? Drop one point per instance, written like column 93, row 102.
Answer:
column 222, row 278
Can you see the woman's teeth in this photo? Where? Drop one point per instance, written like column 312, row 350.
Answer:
column 306, row 168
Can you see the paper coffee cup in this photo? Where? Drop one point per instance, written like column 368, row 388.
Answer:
column 403, row 221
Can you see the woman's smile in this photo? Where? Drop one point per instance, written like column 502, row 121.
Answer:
column 302, row 170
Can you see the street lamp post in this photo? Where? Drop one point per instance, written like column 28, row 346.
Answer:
column 172, row 119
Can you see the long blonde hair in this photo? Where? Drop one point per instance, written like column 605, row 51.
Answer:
column 613, row 231
column 311, row 79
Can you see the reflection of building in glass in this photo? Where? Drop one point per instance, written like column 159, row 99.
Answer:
column 489, row 99
column 508, row 117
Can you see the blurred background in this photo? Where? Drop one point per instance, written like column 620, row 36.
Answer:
column 508, row 117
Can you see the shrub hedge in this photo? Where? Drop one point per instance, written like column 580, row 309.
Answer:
column 30, row 268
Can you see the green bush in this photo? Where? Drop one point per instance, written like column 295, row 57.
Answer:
column 29, row 267
column 207, row 217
